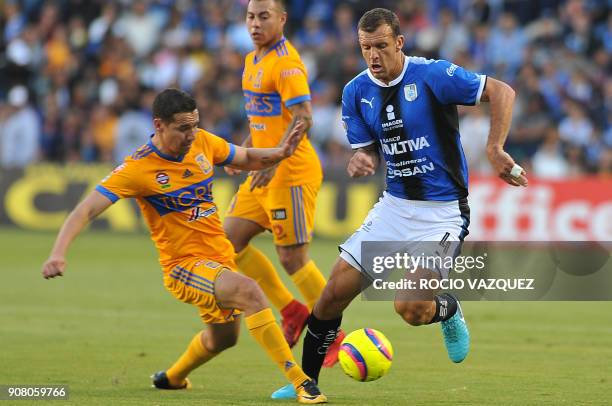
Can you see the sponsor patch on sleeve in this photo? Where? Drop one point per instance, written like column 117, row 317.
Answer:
column 279, row 214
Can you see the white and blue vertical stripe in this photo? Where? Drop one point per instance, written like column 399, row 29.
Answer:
column 192, row 280
column 299, row 218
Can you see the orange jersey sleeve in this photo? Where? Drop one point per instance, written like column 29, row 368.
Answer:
column 122, row 182
column 291, row 81
column 221, row 151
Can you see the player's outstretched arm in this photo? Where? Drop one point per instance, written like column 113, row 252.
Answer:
column 247, row 143
column 94, row 204
column 261, row 158
column 501, row 98
column 364, row 162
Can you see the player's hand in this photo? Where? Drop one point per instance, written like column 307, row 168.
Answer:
column 232, row 171
column 262, row 178
column 291, row 142
column 502, row 164
column 54, row 266
column 361, row 164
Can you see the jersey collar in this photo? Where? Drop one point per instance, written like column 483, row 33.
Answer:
column 255, row 60
column 162, row 155
column 394, row 81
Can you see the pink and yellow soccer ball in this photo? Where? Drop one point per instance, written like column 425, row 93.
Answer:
column 365, row 355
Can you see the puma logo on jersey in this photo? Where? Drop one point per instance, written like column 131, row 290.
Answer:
column 370, row 102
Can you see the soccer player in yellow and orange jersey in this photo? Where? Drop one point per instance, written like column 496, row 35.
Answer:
column 171, row 177
column 282, row 198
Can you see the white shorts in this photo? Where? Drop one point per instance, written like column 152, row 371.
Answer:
column 417, row 222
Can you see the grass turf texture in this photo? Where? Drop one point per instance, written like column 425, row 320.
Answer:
column 108, row 324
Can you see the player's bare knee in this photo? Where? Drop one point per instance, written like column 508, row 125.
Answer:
column 413, row 313
column 292, row 258
column 251, row 296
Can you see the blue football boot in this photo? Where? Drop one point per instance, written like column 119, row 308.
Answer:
column 456, row 336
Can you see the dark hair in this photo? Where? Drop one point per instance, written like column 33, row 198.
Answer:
column 376, row 17
column 280, row 3
column 172, row 101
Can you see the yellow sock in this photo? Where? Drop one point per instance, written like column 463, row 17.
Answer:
column 195, row 355
column 253, row 263
column 310, row 281
column 262, row 326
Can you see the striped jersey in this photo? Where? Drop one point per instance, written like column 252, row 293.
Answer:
column 414, row 121
column 175, row 197
column 270, row 85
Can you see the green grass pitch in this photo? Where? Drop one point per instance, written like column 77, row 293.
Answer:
column 108, row 324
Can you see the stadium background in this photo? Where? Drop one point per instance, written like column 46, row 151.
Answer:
column 76, row 82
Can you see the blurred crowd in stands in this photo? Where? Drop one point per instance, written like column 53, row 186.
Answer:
column 77, row 77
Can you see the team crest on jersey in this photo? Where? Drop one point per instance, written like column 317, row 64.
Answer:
column 257, row 82
column 410, row 92
column 203, row 164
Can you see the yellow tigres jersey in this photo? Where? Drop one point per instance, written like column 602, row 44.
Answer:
column 270, row 85
column 175, row 196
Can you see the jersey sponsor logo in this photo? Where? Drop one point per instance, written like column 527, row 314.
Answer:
column 390, row 112
column 392, row 125
column 410, row 92
column 368, row 102
column 279, row 214
column 203, row 163
column 392, row 122
column 415, row 170
column 258, row 126
column 450, row 71
column 162, row 179
column 400, row 147
column 285, row 73
column 182, row 199
column 198, row 213
column 262, row 104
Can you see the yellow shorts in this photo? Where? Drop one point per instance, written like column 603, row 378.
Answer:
column 193, row 281
column 287, row 212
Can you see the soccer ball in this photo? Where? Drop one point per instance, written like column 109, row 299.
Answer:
column 365, row 355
